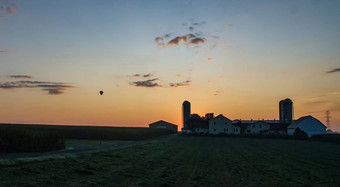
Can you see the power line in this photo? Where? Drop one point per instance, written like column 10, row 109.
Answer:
column 328, row 119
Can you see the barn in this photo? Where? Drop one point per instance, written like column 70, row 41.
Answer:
column 164, row 125
column 308, row 124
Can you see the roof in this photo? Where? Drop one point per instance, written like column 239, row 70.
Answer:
column 221, row 117
column 161, row 122
column 275, row 125
column 297, row 122
column 287, row 100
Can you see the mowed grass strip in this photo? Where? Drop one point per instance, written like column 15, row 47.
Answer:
column 190, row 161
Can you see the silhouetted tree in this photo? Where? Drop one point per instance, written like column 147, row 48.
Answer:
column 300, row 133
column 208, row 116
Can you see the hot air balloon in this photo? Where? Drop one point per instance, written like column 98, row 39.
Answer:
column 101, row 92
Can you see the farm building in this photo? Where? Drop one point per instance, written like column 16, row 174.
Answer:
column 164, row 125
column 257, row 127
column 262, row 126
column 223, row 125
column 201, row 130
column 307, row 124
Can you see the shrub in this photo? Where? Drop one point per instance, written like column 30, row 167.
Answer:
column 14, row 140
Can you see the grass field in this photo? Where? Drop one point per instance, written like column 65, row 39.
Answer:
column 190, row 161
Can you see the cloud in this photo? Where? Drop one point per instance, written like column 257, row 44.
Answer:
column 12, row 8
column 177, row 40
column 54, row 91
column 179, row 75
column 217, row 93
column 3, row 51
column 148, row 75
column 21, row 76
column 198, row 23
column 228, row 25
column 156, row 82
column 140, row 75
column 210, row 59
column 53, row 88
column 334, row 70
column 157, row 39
column 148, row 83
column 196, row 41
column 7, row 7
column 184, row 83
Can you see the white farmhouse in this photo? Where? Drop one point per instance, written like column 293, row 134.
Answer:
column 222, row 125
column 258, row 127
column 309, row 125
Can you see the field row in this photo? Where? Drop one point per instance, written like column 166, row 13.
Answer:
column 190, row 161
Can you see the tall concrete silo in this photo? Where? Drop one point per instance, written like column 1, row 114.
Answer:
column 286, row 110
column 186, row 108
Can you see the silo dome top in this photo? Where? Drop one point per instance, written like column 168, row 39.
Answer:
column 288, row 100
column 185, row 102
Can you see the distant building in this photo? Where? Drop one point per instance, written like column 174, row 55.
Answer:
column 222, row 125
column 261, row 126
column 258, row 127
column 186, row 109
column 164, row 125
column 307, row 124
column 286, row 110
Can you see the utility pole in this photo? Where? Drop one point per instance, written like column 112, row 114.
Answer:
column 328, row 117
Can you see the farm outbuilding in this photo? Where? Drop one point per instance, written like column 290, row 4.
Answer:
column 258, row 127
column 164, row 125
column 223, row 125
column 307, row 124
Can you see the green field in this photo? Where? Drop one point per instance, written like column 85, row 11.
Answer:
column 190, row 161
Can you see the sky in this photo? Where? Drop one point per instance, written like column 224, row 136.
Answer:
column 233, row 57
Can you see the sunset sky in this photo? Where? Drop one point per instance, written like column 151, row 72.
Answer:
column 237, row 58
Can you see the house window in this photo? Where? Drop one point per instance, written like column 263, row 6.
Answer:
column 260, row 126
column 214, row 129
column 253, row 126
column 214, row 122
column 227, row 130
column 225, row 122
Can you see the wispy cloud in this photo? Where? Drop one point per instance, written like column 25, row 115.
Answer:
column 184, row 83
column 21, row 76
column 177, row 40
column 141, row 75
column 156, row 82
column 3, row 51
column 334, row 70
column 6, row 6
column 198, row 23
column 179, row 75
column 53, row 88
column 210, row 59
column 147, row 83
column 196, row 41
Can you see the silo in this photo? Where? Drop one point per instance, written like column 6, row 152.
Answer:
column 186, row 108
column 286, row 110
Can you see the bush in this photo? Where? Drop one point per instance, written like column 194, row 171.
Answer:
column 14, row 140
